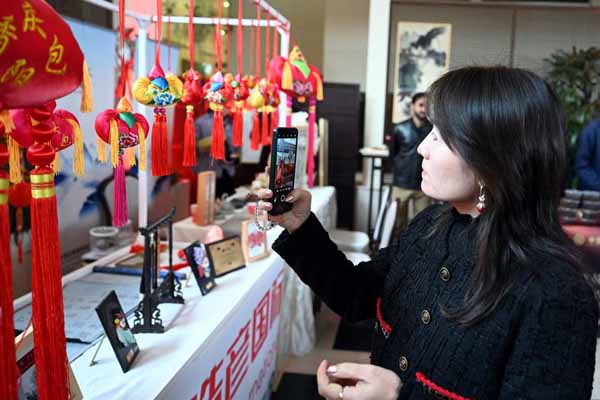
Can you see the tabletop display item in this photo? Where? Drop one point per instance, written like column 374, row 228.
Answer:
column 27, row 387
column 226, row 255
column 147, row 315
column 116, row 329
column 201, row 267
column 205, row 206
column 254, row 242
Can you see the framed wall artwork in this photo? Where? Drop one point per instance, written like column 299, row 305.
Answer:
column 422, row 55
column 254, row 242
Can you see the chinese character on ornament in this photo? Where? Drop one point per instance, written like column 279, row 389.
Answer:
column 210, row 387
column 7, row 32
column 260, row 325
column 238, row 361
column 55, row 56
column 31, row 22
column 18, row 72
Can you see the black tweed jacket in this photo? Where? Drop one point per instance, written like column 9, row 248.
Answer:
column 539, row 343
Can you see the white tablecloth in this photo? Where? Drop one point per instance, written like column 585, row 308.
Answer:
column 211, row 340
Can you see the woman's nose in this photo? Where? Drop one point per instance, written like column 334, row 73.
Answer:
column 422, row 149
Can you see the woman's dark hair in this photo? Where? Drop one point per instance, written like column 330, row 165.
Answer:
column 508, row 126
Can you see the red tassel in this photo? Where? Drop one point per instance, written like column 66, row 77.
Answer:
column 8, row 363
column 217, row 149
column 120, row 196
column 47, row 297
column 160, row 144
column 274, row 123
column 288, row 115
column 238, row 127
column 178, row 136
column 189, row 138
column 255, row 134
column 264, row 129
column 312, row 117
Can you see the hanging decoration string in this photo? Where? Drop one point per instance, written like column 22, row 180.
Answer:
column 191, row 33
column 275, row 43
column 267, row 42
column 229, row 52
column 215, row 58
column 169, row 43
column 122, row 44
column 219, row 38
column 159, row 16
column 251, row 65
column 240, row 38
column 258, row 63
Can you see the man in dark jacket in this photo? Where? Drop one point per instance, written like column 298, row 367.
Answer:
column 587, row 159
column 405, row 138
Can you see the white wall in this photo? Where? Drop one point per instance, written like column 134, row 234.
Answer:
column 345, row 41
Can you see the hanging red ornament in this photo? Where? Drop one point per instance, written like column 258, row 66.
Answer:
column 299, row 80
column 8, row 363
column 158, row 90
column 122, row 129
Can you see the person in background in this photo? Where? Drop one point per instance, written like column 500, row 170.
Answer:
column 225, row 170
column 405, row 138
column 587, row 158
column 483, row 297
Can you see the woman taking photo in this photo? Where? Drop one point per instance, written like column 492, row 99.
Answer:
column 481, row 298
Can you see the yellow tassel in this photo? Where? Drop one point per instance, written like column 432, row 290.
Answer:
column 319, row 86
column 101, row 150
column 56, row 163
column 87, row 100
column 142, row 149
column 14, row 160
column 78, row 161
column 131, row 156
column 114, row 143
column 286, row 77
column 7, row 121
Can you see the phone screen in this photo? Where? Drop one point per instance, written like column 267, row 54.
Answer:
column 285, row 169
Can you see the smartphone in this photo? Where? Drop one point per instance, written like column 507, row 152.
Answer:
column 283, row 168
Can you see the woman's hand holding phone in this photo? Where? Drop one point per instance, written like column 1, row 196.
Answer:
column 293, row 219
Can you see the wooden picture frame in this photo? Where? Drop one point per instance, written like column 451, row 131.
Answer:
column 254, row 242
column 226, row 255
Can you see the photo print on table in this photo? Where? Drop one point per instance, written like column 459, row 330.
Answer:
column 226, row 255
column 201, row 267
column 117, row 330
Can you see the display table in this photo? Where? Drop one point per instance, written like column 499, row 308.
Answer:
column 297, row 325
column 222, row 343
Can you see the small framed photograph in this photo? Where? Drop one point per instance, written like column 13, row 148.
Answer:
column 226, row 255
column 201, row 267
column 117, row 330
column 254, row 242
column 27, row 371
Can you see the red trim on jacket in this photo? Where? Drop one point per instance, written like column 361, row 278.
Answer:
column 385, row 327
column 438, row 389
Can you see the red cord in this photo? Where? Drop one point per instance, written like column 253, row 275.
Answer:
column 438, row 389
column 387, row 329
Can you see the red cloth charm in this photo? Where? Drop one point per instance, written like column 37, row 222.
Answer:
column 121, row 129
column 40, row 59
column 218, row 93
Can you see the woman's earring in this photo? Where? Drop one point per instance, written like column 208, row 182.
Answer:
column 481, row 199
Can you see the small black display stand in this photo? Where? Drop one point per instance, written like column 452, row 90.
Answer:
column 147, row 315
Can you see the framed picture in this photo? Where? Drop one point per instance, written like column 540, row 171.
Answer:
column 117, row 330
column 254, row 242
column 422, row 55
column 201, row 267
column 26, row 365
column 226, row 255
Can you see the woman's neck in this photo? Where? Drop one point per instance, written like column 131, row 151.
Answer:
column 468, row 208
